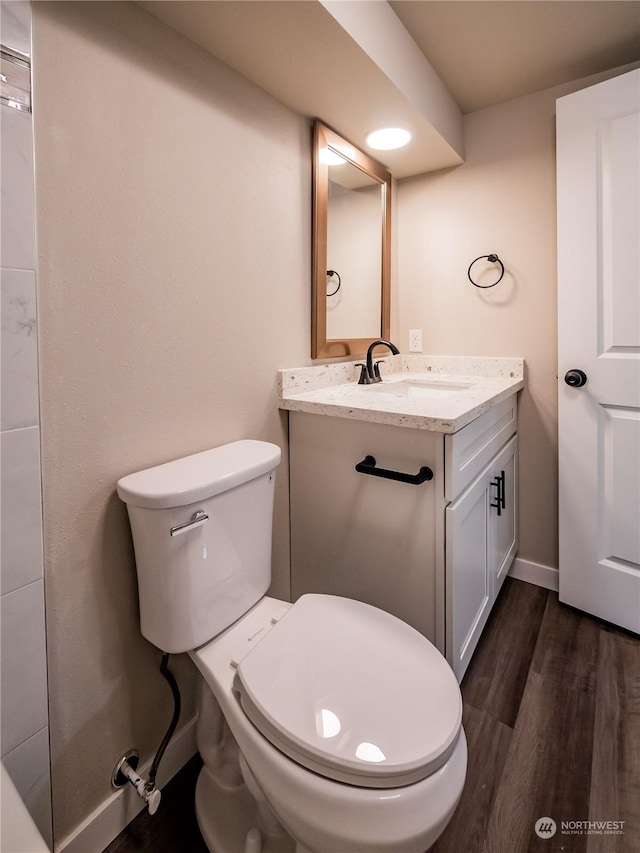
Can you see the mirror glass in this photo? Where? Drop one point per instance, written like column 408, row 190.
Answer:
column 354, row 253
column 351, row 228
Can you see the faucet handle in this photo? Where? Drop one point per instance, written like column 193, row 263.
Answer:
column 365, row 379
column 376, row 371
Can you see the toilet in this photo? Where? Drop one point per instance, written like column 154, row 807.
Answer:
column 325, row 726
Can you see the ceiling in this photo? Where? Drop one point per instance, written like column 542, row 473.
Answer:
column 488, row 52
column 308, row 55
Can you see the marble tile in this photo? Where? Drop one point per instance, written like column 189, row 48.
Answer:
column 23, row 677
column 28, row 766
column 19, row 383
column 21, row 546
column 15, row 25
column 17, row 229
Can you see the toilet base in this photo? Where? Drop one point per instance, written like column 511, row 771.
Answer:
column 227, row 815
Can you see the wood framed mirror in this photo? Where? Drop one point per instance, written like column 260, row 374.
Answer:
column 351, row 296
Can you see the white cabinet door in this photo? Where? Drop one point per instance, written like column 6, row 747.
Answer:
column 503, row 521
column 468, row 572
column 599, row 334
column 481, row 542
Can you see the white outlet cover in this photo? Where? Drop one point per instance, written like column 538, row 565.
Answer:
column 415, row 340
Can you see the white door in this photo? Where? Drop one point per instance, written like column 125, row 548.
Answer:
column 598, row 149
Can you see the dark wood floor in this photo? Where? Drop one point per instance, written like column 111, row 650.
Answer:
column 552, row 718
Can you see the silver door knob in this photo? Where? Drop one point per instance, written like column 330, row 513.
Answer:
column 575, row 378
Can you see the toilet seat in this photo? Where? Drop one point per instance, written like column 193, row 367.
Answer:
column 352, row 693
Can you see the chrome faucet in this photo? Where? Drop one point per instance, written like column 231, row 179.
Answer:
column 370, row 372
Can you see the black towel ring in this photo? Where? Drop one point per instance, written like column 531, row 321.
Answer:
column 330, row 274
column 494, row 260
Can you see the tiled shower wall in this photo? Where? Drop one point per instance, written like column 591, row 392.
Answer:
column 24, row 730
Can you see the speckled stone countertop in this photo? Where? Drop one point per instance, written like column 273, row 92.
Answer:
column 473, row 386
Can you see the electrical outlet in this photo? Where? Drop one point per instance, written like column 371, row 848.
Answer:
column 415, row 340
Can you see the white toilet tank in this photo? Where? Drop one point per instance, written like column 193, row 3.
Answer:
column 202, row 537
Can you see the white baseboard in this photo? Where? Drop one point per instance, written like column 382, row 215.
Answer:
column 99, row 829
column 536, row 573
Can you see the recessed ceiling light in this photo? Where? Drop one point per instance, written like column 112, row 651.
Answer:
column 388, row 138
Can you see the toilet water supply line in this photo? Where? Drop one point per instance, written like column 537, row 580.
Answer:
column 173, row 684
column 146, row 790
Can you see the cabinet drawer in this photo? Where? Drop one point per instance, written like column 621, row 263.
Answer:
column 469, row 450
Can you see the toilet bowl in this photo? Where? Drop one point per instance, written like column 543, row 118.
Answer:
column 326, row 726
column 327, row 815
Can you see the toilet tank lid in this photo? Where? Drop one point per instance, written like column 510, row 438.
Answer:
column 199, row 476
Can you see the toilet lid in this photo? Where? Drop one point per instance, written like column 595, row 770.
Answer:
column 352, row 693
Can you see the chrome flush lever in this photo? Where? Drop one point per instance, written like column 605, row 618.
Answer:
column 197, row 520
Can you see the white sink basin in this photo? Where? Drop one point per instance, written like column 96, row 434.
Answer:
column 417, row 389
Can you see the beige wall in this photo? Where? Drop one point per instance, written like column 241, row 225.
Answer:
column 173, row 206
column 501, row 200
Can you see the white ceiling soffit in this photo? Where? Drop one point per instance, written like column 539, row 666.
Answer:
column 490, row 51
column 350, row 63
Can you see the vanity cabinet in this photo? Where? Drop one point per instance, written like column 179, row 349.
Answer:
column 433, row 554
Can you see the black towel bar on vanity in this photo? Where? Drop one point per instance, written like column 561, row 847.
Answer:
column 368, row 466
